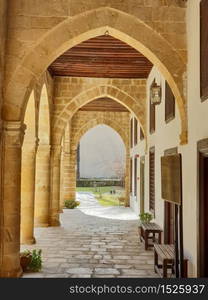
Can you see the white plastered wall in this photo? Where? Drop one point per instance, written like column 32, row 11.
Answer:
column 197, row 129
column 167, row 136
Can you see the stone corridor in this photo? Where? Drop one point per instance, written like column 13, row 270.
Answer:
column 90, row 246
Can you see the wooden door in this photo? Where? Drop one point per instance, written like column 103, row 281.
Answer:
column 169, row 209
column 202, row 215
column 169, row 223
column 142, row 184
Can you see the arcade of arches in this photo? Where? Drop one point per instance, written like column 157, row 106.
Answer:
column 67, row 66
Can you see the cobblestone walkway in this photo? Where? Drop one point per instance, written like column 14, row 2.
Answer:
column 91, row 246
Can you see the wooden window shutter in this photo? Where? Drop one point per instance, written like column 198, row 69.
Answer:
column 135, row 131
column 131, row 133
column 152, row 113
column 135, row 176
column 204, row 49
column 169, row 103
column 152, row 180
column 131, row 169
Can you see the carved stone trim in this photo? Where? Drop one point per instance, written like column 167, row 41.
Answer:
column 13, row 133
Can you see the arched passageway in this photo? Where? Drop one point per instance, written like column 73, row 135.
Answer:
column 42, row 182
column 137, row 106
column 75, row 138
column 28, row 67
column 29, row 149
column 143, row 38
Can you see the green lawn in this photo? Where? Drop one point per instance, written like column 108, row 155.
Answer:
column 95, row 190
column 103, row 194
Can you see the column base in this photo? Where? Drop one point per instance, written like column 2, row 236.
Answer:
column 55, row 223
column 28, row 241
column 11, row 274
column 41, row 225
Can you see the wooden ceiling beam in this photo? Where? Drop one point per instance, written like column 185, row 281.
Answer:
column 102, row 56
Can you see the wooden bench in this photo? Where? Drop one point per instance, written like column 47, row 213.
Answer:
column 166, row 254
column 148, row 233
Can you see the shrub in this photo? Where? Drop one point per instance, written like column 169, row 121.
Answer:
column 71, row 204
column 146, row 217
column 36, row 261
column 31, row 260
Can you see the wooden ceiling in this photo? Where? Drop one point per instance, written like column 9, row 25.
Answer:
column 104, row 104
column 102, row 57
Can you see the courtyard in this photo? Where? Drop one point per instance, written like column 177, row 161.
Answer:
column 93, row 241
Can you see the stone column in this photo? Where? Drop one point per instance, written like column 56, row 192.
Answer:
column 61, row 204
column 72, row 174
column 66, row 179
column 28, row 192
column 65, row 166
column 12, row 139
column 42, row 186
column 55, row 185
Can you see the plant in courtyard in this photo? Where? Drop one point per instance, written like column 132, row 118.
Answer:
column 36, row 261
column 145, row 217
column 31, row 260
column 71, row 203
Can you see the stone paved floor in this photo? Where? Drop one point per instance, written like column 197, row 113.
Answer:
column 90, row 246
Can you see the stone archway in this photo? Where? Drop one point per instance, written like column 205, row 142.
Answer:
column 29, row 149
column 72, row 31
column 74, row 140
column 30, row 63
column 137, row 106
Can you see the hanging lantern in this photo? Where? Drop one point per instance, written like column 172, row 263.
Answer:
column 155, row 96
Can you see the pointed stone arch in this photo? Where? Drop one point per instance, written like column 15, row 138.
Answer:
column 137, row 106
column 81, row 27
column 74, row 140
column 95, row 122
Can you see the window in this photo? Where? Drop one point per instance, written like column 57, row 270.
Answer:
column 135, row 176
column 204, row 49
column 135, row 131
column 131, row 133
column 131, row 181
column 169, row 103
column 152, row 179
column 152, row 114
column 141, row 134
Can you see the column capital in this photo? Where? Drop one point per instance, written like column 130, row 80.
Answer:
column 13, row 132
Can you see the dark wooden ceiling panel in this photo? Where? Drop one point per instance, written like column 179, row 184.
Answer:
column 104, row 57
column 104, row 104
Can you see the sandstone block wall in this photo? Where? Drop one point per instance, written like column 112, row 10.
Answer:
column 31, row 20
column 39, row 32
column 71, row 93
